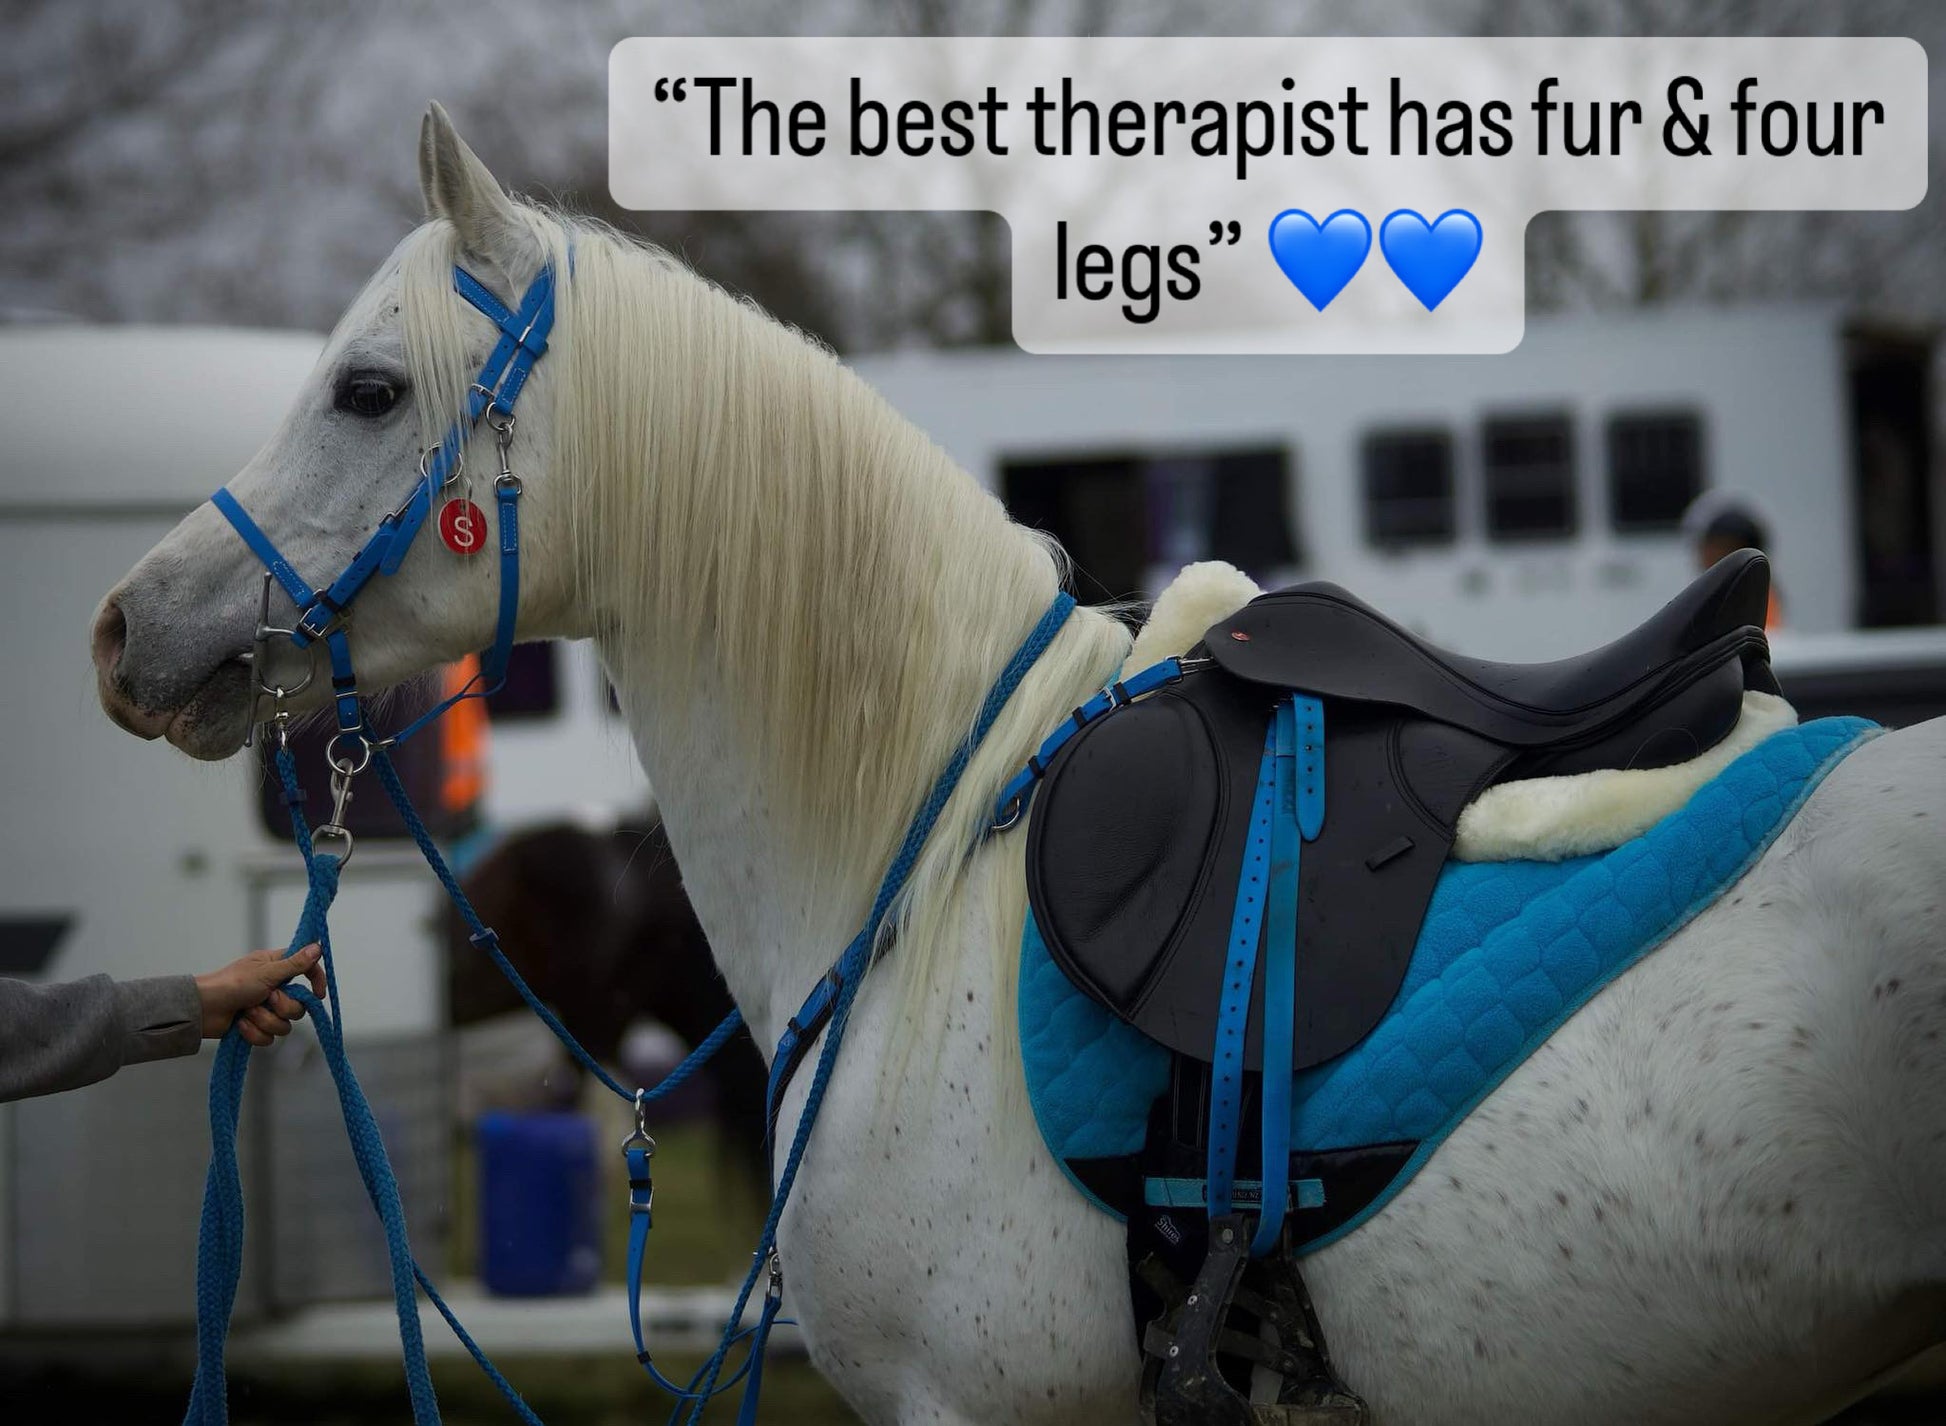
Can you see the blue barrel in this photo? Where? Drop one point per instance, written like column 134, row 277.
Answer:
column 540, row 1204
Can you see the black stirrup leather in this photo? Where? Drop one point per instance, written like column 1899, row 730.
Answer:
column 1140, row 822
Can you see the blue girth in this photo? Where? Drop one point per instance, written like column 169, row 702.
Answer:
column 1287, row 810
column 320, row 612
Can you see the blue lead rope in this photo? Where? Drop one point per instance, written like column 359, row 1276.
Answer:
column 220, row 1252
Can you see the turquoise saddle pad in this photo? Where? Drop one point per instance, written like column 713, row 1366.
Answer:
column 1508, row 951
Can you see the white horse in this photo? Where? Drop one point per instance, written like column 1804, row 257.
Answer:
column 1717, row 1194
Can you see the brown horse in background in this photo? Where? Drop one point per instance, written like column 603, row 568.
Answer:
column 599, row 926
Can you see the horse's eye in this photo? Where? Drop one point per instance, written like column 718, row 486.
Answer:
column 367, row 394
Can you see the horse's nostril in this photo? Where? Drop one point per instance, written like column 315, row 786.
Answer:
column 109, row 638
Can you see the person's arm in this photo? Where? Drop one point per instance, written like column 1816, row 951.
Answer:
column 56, row 1037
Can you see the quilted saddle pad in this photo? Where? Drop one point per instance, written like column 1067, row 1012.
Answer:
column 1508, row 951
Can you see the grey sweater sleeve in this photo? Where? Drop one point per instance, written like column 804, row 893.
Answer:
column 55, row 1037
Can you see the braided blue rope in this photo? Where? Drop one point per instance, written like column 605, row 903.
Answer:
column 219, row 1264
column 488, row 940
column 220, row 1252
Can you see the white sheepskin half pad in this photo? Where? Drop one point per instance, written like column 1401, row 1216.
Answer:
column 1203, row 593
column 1536, row 819
column 1553, row 818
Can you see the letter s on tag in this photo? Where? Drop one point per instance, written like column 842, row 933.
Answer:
column 462, row 525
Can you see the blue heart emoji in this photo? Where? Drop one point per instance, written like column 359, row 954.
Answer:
column 1430, row 258
column 1320, row 258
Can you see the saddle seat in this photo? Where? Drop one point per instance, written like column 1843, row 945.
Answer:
column 1140, row 822
column 1663, row 692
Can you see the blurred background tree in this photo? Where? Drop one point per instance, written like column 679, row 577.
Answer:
column 202, row 161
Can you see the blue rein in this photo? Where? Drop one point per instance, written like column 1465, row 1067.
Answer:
column 321, row 618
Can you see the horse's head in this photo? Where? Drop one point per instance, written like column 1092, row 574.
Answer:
column 170, row 641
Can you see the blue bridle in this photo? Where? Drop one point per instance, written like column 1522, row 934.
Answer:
column 321, row 613
column 321, row 618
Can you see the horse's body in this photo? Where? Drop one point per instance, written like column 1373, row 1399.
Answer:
column 1706, row 1199
column 1718, row 1194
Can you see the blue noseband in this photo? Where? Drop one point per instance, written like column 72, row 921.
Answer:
column 321, row 612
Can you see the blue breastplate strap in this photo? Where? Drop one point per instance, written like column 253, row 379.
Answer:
column 502, row 377
column 1019, row 790
column 802, row 1031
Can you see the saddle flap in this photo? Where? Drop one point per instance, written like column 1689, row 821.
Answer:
column 1122, row 841
column 1138, row 839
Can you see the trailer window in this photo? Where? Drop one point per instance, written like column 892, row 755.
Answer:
column 1130, row 521
column 1409, row 488
column 1528, row 467
column 533, row 686
column 1655, row 469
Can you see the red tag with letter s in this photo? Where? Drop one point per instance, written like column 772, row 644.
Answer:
column 462, row 526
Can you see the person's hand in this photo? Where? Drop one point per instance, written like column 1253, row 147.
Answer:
column 246, row 991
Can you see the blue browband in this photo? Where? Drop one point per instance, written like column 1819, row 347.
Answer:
column 321, row 612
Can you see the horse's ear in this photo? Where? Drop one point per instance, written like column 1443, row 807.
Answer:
column 461, row 189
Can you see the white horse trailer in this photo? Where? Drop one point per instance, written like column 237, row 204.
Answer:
column 1517, row 506
column 116, row 859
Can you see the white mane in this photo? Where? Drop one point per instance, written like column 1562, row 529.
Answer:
column 740, row 496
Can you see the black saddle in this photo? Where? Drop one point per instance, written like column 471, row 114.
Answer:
column 1308, row 750
column 1141, row 818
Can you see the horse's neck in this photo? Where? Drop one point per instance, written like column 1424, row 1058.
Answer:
column 791, row 696
column 737, row 865
column 775, row 908
column 774, row 923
